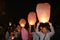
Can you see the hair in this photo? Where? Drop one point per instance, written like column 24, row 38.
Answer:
column 32, row 28
column 44, row 25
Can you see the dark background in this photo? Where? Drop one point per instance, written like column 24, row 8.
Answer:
column 14, row 10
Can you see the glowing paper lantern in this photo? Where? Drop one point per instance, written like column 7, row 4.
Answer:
column 10, row 23
column 22, row 22
column 32, row 18
column 43, row 12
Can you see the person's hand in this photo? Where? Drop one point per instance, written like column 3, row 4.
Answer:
column 50, row 24
column 38, row 24
column 30, row 26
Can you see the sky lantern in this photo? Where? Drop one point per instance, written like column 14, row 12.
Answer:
column 22, row 22
column 43, row 12
column 32, row 18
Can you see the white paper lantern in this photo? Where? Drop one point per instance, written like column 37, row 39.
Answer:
column 22, row 22
column 32, row 18
column 43, row 12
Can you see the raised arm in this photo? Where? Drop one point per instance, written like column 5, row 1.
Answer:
column 37, row 26
column 52, row 29
column 37, row 29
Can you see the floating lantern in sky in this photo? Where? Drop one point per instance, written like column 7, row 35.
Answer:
column 32, row 18
column 43, row 12
column 22, row 22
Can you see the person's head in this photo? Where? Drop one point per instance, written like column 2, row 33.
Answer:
column 44, row 30
column 45, row 27
column 18, row 28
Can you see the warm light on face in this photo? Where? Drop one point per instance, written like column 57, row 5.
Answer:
column 41, row 28
column 44, row 30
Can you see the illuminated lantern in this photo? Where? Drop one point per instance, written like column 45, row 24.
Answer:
column 10, row 23
column 43, row 12
column 32, row 18
column 22, row 22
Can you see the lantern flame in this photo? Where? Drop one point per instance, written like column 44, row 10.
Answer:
column 43, row 20
column 22, row 25
column 31, row 23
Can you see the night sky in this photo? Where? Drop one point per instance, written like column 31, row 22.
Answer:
column 17, row 9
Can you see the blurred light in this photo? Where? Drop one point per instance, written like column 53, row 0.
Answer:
column 22, row 22
column 10, row 23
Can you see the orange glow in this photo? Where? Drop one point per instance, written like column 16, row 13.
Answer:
column 31, row 23
column 43, row 12
column 40, row 27
column 22, row 25
column 32, row 18
column 12, row 37
column 22, row 22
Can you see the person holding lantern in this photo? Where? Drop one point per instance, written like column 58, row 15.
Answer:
column 45, row 34
column 9, row 35
column 32, row 34
column 22, row 31
column 32, row 21
column 43, row 14
column 17, row 32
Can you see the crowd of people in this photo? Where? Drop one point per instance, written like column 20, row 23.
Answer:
column 43, row 31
